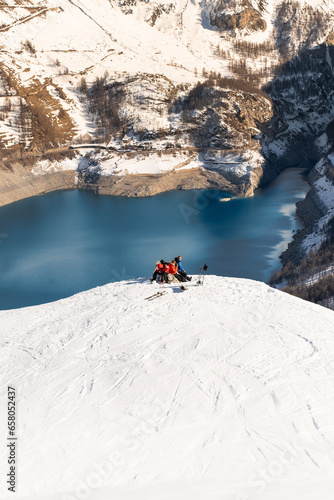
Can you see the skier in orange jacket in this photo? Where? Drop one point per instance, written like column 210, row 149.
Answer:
column 173, row 269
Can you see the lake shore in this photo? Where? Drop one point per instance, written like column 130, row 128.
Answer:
column 19, row 182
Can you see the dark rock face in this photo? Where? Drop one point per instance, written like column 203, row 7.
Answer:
column 89, row 171
column 223, row 113
column 303, row 98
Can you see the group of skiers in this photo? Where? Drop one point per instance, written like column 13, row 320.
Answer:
column 170, row 272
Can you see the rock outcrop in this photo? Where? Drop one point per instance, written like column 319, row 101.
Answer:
column 244, row 18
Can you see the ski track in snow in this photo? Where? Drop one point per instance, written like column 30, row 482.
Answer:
column 212, row 384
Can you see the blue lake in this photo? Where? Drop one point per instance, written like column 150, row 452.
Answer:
column 55, row 245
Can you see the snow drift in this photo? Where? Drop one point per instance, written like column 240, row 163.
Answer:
column 223, row 391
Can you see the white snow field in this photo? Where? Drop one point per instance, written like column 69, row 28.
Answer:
column 220, row 392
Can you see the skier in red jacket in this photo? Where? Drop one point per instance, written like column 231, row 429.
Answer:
column 160, row 271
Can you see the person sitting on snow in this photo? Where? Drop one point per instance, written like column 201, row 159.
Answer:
column 173, row 275
column 160, row 271
column 180, row 269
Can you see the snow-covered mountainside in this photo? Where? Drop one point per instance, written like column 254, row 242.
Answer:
column 125, row 72
column 222, row 391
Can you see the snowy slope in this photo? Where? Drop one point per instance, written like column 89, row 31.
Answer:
column 221, row 392
column 119, row 36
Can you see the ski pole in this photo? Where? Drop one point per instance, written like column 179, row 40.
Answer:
column 205, row 267
column 199, row 276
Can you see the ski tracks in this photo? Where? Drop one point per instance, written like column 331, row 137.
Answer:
column 186, row 380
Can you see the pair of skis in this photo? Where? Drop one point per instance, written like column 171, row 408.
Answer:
column 156, row 295
column 163, row 292
column 159, row 294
